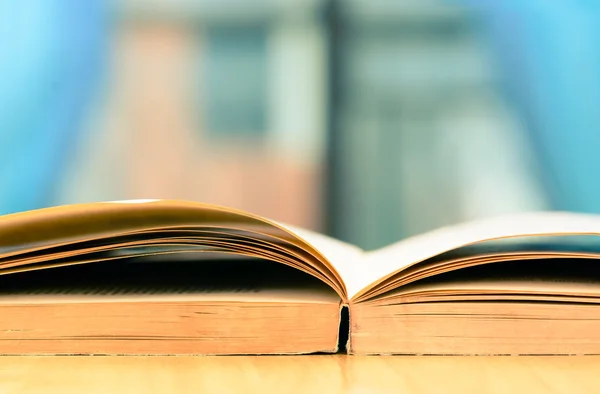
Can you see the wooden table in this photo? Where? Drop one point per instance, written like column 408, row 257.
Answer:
column 299, row 374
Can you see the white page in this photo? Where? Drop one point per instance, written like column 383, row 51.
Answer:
column 343, row 257
column 385, row 262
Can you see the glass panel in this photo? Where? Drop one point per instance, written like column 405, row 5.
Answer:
column 235, row 80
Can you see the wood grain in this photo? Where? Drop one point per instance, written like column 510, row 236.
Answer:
column 298, row 374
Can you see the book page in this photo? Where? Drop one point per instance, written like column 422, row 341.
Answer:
column 39, row 231
column 173, row 277
column 553, row 279
column 343, row 256
column 238, row 296
column 381, row 264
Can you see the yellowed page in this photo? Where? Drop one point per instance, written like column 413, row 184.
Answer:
column 525, row 289
column 315, row 295
column 43, row 228
column 343, row 256
column 381, row 264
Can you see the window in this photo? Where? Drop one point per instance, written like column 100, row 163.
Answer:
column 235, row 82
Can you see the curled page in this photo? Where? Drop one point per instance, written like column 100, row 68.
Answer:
column 384, row 263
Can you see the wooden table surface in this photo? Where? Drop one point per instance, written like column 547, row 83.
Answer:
column 299, row 374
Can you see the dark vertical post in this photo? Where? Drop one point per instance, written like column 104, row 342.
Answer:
column 332, row 207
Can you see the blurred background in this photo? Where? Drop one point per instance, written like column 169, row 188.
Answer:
column 369, row 121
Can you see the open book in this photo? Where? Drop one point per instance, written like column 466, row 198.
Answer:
column 174, row 277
